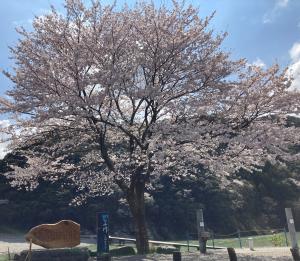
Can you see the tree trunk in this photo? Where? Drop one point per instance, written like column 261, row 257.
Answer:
column 136, row 201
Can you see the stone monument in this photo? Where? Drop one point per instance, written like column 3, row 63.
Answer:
column 65, row 233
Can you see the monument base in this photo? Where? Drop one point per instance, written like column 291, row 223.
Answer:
column 61, row 254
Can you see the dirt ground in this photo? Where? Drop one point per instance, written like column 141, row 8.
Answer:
column 263, row 254
column 16, row 243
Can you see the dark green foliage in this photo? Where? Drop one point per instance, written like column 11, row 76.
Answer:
column 259, row 203
column 122, row 251
column 171, row 208
column 49, row 203
column 166, row 250
column 173, row 213
column 93, row 253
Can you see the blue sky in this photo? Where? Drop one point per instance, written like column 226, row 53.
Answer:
column 263, row 31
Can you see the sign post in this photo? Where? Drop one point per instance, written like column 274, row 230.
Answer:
column 102, row 233
column 202, row 234
column 292, row 231
column 291, row 226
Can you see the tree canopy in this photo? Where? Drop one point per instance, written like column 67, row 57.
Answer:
column 144, row 91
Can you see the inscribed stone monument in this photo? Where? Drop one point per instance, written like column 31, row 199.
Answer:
column 65, row 233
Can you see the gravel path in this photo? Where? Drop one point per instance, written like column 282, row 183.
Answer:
column 16, row 243
column 278, row 254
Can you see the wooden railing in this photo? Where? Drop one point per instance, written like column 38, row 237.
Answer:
column 154, row 242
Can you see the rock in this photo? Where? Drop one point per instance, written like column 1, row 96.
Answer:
column 65, row 233
column 64, row 254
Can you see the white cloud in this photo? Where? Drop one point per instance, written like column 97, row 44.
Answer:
column 295, row 52
column 271, row 15
column 282, row 3
column 259, row 62
column 22, row 22
column 3, row 149
column 295, row 73
column 4, row 123
column 3, row 144
column 27, row 22
column 266, row 19
column 294, row 68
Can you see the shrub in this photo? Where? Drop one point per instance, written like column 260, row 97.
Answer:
column 123, row 251
column 166, row 250
column 277, row 240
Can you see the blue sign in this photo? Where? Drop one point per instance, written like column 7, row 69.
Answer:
column 102, row 233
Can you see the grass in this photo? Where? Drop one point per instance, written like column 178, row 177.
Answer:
column 4, row 257
column 273, row 240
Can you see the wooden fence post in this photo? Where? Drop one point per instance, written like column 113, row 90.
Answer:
column 295, row 254
column 239, row 235
column 231, row 254
column 177, row 256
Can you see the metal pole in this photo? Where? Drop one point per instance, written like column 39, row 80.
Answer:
column 188, row 241
column 200, row 227
column 291, row 226
column 286, row 239
column 239, row 235
column 213, row 239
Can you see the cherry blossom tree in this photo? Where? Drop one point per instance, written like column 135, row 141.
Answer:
column 143, row 92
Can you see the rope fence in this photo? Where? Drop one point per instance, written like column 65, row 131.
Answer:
column 7, row 255
column 278, row 237
column 239, row 239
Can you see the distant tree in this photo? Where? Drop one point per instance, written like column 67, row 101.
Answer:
column 141, row 92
